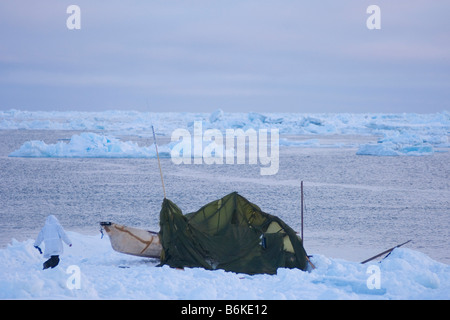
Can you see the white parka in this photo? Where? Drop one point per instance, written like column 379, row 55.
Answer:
column 52, row 233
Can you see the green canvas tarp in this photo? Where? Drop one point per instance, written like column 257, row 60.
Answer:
column 231, row 234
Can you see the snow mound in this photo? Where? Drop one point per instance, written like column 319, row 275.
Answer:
column 90, row 269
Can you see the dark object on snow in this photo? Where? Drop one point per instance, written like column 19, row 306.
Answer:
column 52, row 262
column 231, row 234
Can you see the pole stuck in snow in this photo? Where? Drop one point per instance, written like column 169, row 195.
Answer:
column 301, row 232
column 301, row 189
column 159, row 163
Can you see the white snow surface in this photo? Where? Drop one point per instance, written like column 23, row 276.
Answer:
column 106, row 274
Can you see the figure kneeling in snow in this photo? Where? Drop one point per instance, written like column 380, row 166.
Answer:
column 52, row 233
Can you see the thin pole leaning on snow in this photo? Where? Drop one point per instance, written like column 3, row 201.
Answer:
column 385, row 252
column 159, row 163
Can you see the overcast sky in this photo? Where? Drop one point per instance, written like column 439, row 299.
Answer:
column 237, row 55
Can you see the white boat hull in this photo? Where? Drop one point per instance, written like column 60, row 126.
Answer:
column 133, row 241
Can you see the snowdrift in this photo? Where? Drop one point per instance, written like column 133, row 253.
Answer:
column 90, row 269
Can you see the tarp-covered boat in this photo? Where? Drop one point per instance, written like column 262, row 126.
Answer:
column 230, row 233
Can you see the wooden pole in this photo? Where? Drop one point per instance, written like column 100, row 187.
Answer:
column 159, row 163
column 301, row 189
column 310, row 263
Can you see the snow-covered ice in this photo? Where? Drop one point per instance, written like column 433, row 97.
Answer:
column 398, row 143
column 402, row 134
column 90, row 145
column 434, row 127
column 90, row 269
